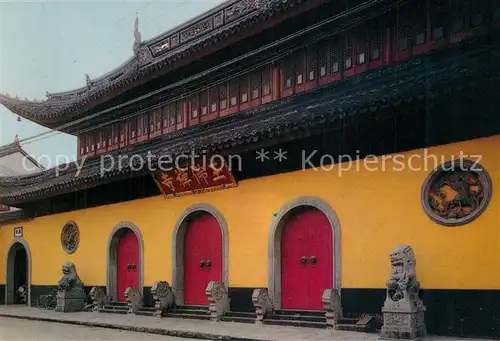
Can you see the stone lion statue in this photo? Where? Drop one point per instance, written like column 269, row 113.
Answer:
column 70, row 280
column 402, row 284
column 70, row 290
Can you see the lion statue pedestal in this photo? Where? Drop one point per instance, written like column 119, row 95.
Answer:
column 403, row 310
column 70, row 292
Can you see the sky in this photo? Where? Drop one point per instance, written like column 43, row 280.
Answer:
column 50, row 46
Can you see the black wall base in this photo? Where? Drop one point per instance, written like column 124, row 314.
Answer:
column 2, row 293
column 471, row 313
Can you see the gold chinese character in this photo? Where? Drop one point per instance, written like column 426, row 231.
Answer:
column 216, row 172
column 167, row 181
column 200, row 174
column 183, row 178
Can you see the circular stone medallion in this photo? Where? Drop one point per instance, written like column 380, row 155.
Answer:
column 456, row 193
column 70, row 237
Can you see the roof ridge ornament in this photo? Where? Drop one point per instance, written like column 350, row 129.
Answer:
column 141, row 50
column 137, row 33
column 88, row 81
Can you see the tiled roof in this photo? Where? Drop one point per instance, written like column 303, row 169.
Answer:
column 412, row 80
column 213, row 26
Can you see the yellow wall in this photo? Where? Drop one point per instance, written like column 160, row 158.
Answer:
column 377, row 210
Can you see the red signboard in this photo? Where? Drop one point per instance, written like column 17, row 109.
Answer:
column 194, row 179
column 4, row 208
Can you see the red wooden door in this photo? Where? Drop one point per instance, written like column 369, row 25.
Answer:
column 127, row 264
column 202, row 258
column 306, row 261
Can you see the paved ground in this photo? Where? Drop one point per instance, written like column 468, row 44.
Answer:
column 25, row 330
column 189, row 328
column 194, row 329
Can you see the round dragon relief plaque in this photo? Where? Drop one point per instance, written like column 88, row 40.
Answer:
column 70, row 237
column 456, row 193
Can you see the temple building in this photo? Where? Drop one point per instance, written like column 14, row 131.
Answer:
column 15, row 161
column 274, row 153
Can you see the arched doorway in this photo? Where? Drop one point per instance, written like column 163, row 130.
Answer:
column 304, row 254
column 125, row 260
column 199, row 253
column 18, row 273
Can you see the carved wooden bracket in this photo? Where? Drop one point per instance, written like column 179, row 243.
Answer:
column 99, row 298
column 262, row 303
column 332, row 306
column 163, row 297
column 218, row 299
column 134, row 300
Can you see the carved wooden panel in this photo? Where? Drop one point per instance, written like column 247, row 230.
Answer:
column 457, row 192
column 205, row 25
column 195, row 30
column 70, row 237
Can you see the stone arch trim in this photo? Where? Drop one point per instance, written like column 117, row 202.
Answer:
column 275, row 233
column 9, row 267
column 112, row 251
column 178, row 246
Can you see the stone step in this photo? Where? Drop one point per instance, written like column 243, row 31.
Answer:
column 286, row 312
column 115, row 307
column 241, row 314
column 363, row 324
column 352, row 327
column 113, row 311
column 191, row 307
column 295, row 323
column 304, row 318
column 143, row 312
column 239, row 319
column 187, row 316
column 190, row 311
column 116, row 303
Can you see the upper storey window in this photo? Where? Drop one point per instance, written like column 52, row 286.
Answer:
column 204, row 102
column 213, row 98
column 180, row 111
column 288, row 73
column 195, row 106
column 312, row 63
column 244, row 89
column 255, row 84
column 266, row 81
column 233, row 92
column 223, row 91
